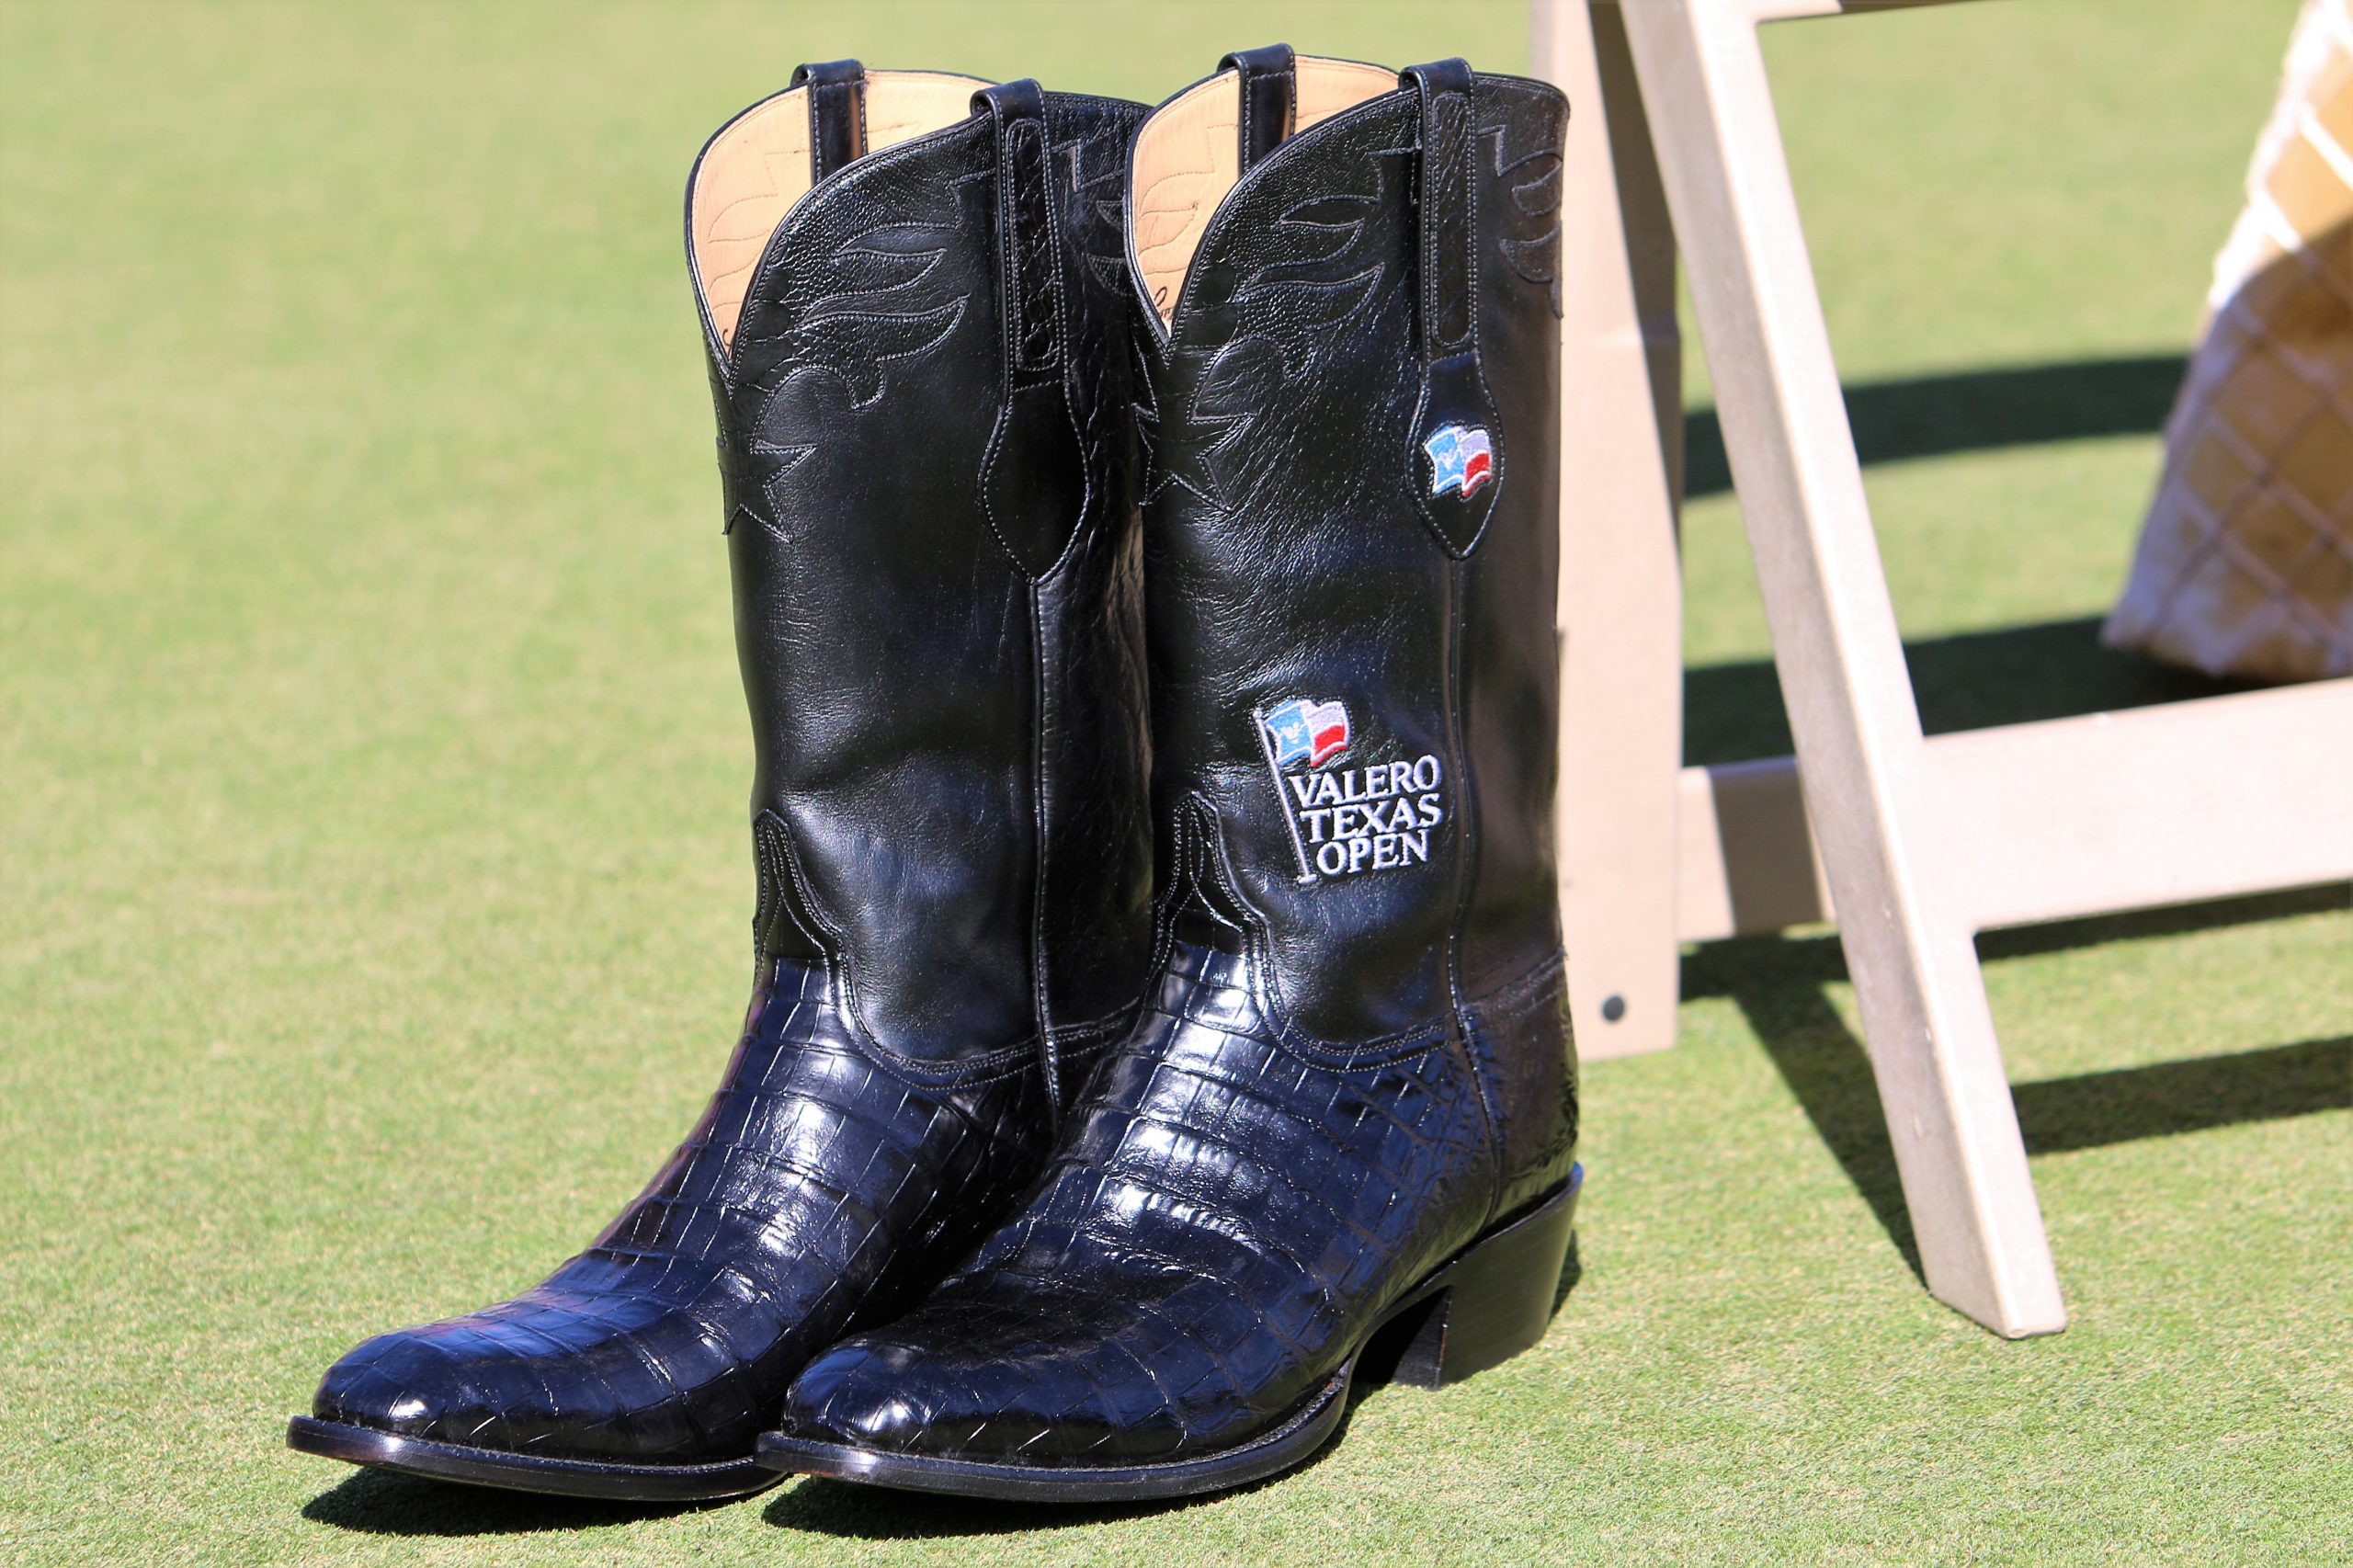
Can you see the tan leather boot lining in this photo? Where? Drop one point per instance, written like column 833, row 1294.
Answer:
column 759, row 167
column 1187, row 156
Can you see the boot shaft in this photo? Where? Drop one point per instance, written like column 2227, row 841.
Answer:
column 914, row 316
column 1350, row 541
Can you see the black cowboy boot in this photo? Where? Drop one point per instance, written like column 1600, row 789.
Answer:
column 1352, row 1101
column 925, row 433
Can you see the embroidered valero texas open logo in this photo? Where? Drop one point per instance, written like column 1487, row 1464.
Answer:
column 1369, row 815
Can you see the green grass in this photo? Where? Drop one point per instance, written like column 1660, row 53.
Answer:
column 374, row 883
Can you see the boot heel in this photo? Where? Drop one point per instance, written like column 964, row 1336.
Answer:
column 1497, row 1299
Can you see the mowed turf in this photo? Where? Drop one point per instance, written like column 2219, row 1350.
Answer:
column 374, row 885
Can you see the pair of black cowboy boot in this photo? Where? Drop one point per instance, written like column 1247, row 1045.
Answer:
column 1143, row 549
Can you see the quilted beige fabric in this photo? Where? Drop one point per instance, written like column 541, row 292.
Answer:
column 2245, row 564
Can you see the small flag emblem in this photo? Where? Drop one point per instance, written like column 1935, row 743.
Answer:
column 1461, row 458
column 1311, row 733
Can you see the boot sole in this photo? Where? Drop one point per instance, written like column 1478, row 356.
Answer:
column 529, row 1472
column 1491, row 1302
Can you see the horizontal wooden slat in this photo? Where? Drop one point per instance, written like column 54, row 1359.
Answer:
column 1745, row 858
column 2050, row 820
column 2162, row 805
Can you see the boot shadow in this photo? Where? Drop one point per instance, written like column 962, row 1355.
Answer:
column 1572, row 1274
column 381, row 1502
column 848, row 1511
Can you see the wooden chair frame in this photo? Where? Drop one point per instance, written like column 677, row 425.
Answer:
column 1922, row 842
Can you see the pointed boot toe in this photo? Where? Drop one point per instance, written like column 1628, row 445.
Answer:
column 404, row 1384
column 479, row 1381
column 883, row 1409
column 541, row 1399
column 868, row 1395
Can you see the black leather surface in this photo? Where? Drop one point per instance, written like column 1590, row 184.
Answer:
column 949, row 813
column 1356, row 1059
column 901, row 602
column 1290, row 555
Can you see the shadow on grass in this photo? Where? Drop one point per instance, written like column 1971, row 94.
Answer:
column 1778, row 983
column 2018, row 674
column 1968, row 411
column 1968, row 681
column 851, row 1512
column 1733, row 712
column 379, row 1502
column 2169, row 1097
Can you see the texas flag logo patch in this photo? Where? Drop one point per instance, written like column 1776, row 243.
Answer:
column 1462, row 458
column 1308, row 732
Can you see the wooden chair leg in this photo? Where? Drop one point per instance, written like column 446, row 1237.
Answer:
column 1621, row 590
column 1869, row 798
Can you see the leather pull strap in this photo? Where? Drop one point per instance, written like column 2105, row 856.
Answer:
column 1029, row 275
column 837, row 113
column 1033, row 481
column 1269, row 106
column 1445, row 200
column 1458, row 464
